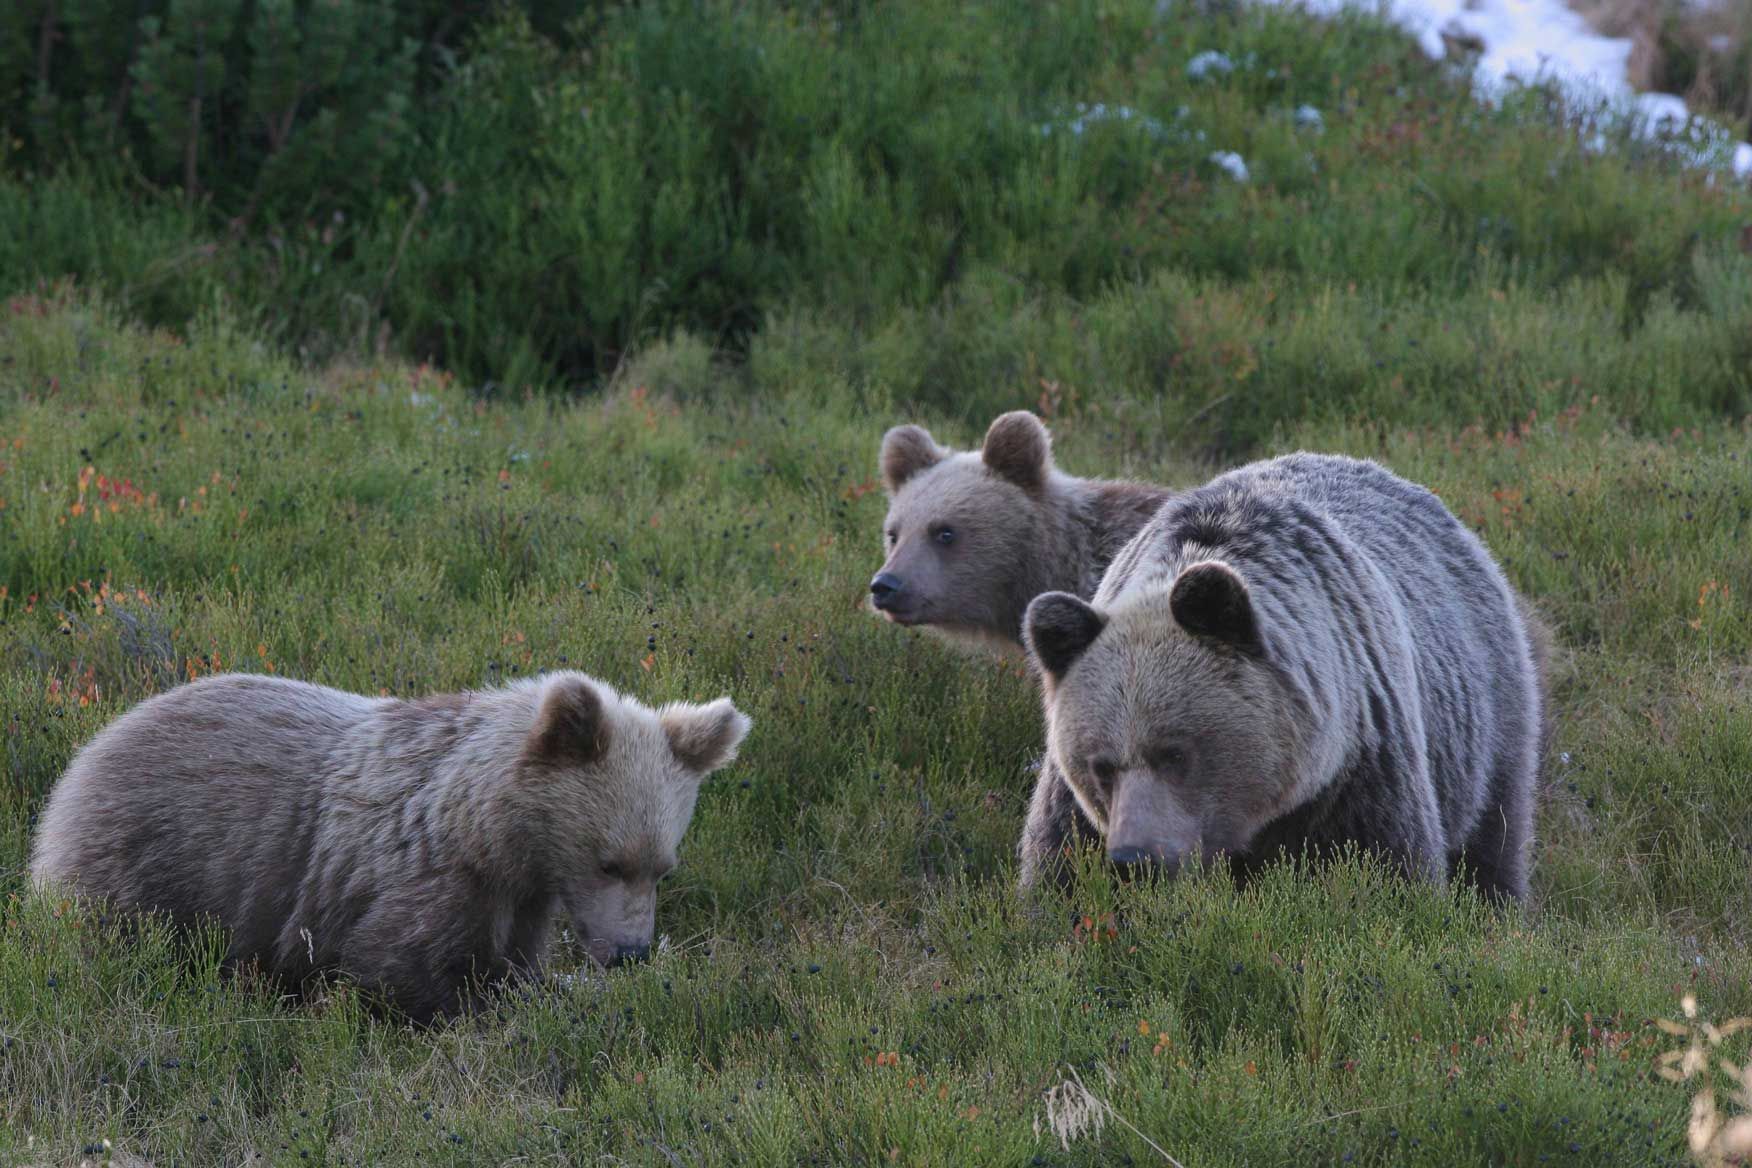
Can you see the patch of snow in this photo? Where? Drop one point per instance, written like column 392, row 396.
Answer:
column 1209, row 64
column 1544, row 41
column 1231, row 164
column 1663, row 112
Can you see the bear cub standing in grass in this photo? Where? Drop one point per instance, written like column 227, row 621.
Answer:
column 973, row 536
column 1306, row 651
column 413, row 845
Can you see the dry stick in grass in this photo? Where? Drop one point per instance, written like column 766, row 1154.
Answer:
column 1072, row 1109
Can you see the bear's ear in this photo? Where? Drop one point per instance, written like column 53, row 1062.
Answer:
column 1018, row 447
column 906, row 450
column 1058, row 628
column 571, row 726
column 704, row 738
column 1211, row 600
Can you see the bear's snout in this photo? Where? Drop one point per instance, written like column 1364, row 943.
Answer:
column 1141, row 863
column 885, row 590
column 629, row 954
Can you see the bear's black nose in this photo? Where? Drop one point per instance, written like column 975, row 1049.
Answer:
column 884, row 588
column 1140, row 863
column 625, row 954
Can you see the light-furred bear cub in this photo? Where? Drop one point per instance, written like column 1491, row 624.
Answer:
column 1303, row 652
column 421, row 847
column 973, row 536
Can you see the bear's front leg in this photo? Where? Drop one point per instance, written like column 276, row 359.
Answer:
column 1055, row 825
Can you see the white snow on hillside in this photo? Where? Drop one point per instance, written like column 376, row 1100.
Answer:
column 1544, row 40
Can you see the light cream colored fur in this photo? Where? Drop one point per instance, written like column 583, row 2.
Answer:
column 421, row 847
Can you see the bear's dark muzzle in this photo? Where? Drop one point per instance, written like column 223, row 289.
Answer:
column 885, row 590
column 628, row 954
column 1142, row 864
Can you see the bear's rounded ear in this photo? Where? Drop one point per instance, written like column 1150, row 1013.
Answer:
column 1210, row 599
column 906, row 450
column 1058, row 628
column 1018, row 447
column 571, row 726
column 704, row 738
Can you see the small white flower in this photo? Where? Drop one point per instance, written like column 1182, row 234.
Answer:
column 1231, row 164
column 1087, row 115
column 1308, row 118
column 1209, row 63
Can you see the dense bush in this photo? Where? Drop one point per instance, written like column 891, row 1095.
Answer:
column 272, row 106
column 534, row 207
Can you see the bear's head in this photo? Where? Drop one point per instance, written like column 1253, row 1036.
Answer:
column 609, row 786
column 964, row 532
column 1167, row 717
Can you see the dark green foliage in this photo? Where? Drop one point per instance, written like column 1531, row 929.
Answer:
column 533, row 207
column 277, row 107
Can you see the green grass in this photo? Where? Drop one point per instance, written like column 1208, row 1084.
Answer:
column 846, row 888
column 1555, row 341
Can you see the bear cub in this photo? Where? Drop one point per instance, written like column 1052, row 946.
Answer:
column 420, row 847
column 973, row 536
column 1304, row 652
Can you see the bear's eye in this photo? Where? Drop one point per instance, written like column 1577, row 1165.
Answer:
column 1170, row 757
column 892, row 536
column 1103, row 769
column 944, row 535
column 614, row 871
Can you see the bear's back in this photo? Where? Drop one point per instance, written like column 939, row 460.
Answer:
column 1297, row 508
column 201, row 801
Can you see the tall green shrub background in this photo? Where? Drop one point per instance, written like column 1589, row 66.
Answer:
column 526, row 193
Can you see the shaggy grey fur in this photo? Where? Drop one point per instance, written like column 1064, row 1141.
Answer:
column 1305, row 651
column 422, row 847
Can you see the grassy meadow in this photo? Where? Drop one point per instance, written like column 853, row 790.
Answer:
column 613, row 403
